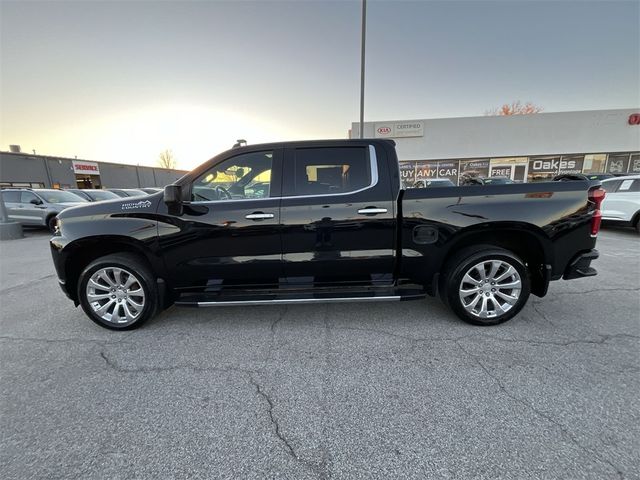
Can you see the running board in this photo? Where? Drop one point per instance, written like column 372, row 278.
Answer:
column 289, row 301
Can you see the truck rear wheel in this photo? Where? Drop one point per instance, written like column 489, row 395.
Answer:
column 486, row 285
column 118, row 291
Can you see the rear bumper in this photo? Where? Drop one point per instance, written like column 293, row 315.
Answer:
column 580, row 265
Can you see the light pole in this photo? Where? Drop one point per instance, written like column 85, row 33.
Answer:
column 362, row 45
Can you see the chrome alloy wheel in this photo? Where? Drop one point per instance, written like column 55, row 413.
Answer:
column 490, row 288
column 115, row 295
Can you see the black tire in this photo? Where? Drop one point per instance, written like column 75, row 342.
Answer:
column 134, row 265
column 51, row 223
column 465, row 260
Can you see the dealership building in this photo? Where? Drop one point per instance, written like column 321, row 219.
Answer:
column 18, row 169
column 525, row 148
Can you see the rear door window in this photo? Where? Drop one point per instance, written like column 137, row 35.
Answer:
column 12, row 197
column 629, row 185
column 328, row 170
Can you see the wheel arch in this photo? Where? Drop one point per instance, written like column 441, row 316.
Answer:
column 525, row 240
column 49, row 216
column 83, row 251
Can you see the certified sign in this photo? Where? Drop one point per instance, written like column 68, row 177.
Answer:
column 86, row 168
column 399, row 129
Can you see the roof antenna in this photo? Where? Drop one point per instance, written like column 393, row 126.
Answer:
column 241, row 142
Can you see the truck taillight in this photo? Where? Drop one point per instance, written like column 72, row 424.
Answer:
column 596, row 196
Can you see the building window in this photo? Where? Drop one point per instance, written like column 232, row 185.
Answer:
column 618, row 163
column 634, row 163
column 430, row 169
column 571, row 164
column 543, row 169
column 594, row 163
column 470, row 169
column 407, row 174
column 21, row 185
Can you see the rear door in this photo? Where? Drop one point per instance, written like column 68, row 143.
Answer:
column 338, row 216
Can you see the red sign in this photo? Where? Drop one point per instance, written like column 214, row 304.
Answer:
column 634, row 119
column 90, row 168
column 87, row 168
column 384, row 130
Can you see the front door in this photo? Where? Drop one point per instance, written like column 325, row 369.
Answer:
column 338, row 217
column 228, row 235
column 31, row 209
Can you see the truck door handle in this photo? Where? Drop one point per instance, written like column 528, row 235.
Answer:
column 371, row 211
column 258, row 216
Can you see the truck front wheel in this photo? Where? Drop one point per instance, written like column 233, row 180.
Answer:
column 118, row 291
column 486, row 285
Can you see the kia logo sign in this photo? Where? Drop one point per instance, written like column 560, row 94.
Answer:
column 384, row 130
column 634, row 119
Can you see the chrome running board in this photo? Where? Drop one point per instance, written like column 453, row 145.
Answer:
column 285, row 301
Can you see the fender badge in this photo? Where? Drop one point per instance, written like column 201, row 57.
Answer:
column 134, row 205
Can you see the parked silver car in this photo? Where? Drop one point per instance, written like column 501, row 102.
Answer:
column 38, row 206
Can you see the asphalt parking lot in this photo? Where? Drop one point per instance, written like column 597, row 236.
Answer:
column 392, row 390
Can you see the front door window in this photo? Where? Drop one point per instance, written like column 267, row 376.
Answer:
column 243, row 177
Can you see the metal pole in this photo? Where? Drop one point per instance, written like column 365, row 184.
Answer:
column 362, row 45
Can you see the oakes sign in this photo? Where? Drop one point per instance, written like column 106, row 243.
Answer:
column 556, row 165
column 399, row 129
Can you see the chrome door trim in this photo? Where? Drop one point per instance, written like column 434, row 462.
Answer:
column 373, row 165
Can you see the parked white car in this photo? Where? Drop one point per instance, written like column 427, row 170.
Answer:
column 622, row 201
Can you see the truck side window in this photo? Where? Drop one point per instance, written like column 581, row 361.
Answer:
column 245, row 176
column 321, row 171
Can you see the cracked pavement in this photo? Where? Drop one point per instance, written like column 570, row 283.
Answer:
column 392, row 390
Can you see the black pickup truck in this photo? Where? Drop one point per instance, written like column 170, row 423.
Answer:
column 323, row 221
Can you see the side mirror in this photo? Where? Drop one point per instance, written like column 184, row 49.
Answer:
column 173, row 195
column 173, row 199
column 35, row 201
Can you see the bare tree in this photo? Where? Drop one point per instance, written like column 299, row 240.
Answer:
column 167, row 160
column 515, row 108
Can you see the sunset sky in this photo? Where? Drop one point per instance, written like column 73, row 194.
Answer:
column 122, row 81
